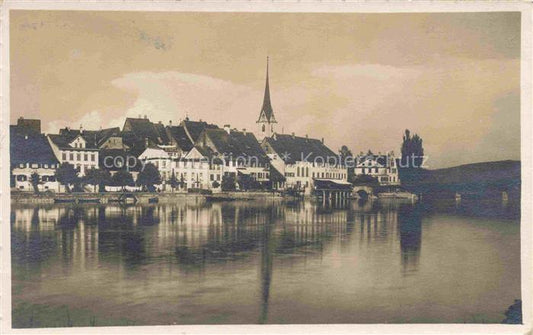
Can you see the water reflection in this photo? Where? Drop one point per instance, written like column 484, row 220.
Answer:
column 163, row 244
column 410, row 227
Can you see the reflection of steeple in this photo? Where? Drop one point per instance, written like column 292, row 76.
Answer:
column 410, row 227
column 267, row 250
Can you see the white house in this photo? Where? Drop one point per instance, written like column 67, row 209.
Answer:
column 383, row 167
column 301, row 161
column 75, row 148
column 160, row 159
column 30, row 154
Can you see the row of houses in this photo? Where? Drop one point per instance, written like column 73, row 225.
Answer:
column 198, row 154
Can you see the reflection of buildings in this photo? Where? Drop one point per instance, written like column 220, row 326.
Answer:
column 199, row 237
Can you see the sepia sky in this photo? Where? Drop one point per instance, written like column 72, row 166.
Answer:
column 354, row 79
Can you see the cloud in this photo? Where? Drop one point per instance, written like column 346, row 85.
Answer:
column 173, row 95
column 92, row 120
column 451, row 103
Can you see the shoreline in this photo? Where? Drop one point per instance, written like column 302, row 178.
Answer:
column 143, row 197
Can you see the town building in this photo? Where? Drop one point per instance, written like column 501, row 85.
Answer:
column 383, row 167
column 160, row 159
column 78, row 148
column 31, row 154
column 239, row 151
column 140, row 133
column 302, row 161
column 199, row 169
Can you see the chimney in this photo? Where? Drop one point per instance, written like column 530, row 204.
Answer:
column 146, row 142
column 170, row 122
column 81, row 129
column 292, row 134
column 322, row 140
column 160, row 122
column 306, row 136
column 244, row 130
column 145, row 116
column 227, row 128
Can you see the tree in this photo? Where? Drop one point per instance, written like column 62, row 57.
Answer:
column 228, row 182
column 149, row 176
column 344, row 153
column 348, row 161
column 35, row 181
column 122, row 178
column 412, row 151
column 97, row 177
column 182, row 181
column 173, row 181
column 215, row 184
column 66, row 174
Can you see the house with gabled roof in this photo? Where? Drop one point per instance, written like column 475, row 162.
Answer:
column 140, row 133
column 78, row 148
column 240, row 152
column 31, row 153
column 302, row 161
column 199, row 169
column 383, row 167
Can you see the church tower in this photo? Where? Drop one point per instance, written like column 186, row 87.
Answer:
column 266, row 118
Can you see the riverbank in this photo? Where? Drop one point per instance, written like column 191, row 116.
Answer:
column 142, row 197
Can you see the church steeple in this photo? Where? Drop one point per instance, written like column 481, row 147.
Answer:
column 266, row 118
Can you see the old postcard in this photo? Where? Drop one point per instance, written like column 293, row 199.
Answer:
column 205, row 165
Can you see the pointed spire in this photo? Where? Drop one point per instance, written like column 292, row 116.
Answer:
column 266, row 110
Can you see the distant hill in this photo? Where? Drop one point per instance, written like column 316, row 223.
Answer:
column 478, row 179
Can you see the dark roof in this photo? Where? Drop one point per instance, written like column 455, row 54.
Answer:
column 327, row 184
column 63, row 141
column 293, row 148
column 180, row 136
column 144, row 129
column 162, row 133
column 28, row 126
column 195, row 128
column 93, row 137
column 236, row 144
column 266, row 109
column 30, row 148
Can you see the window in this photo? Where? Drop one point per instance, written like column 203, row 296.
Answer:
column 64, row 156
column 71, row 156
column 92, row 157
column 46, row 166
column 85, row 157
column 78, row 157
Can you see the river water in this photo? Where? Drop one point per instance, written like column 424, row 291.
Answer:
column 193, row 262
